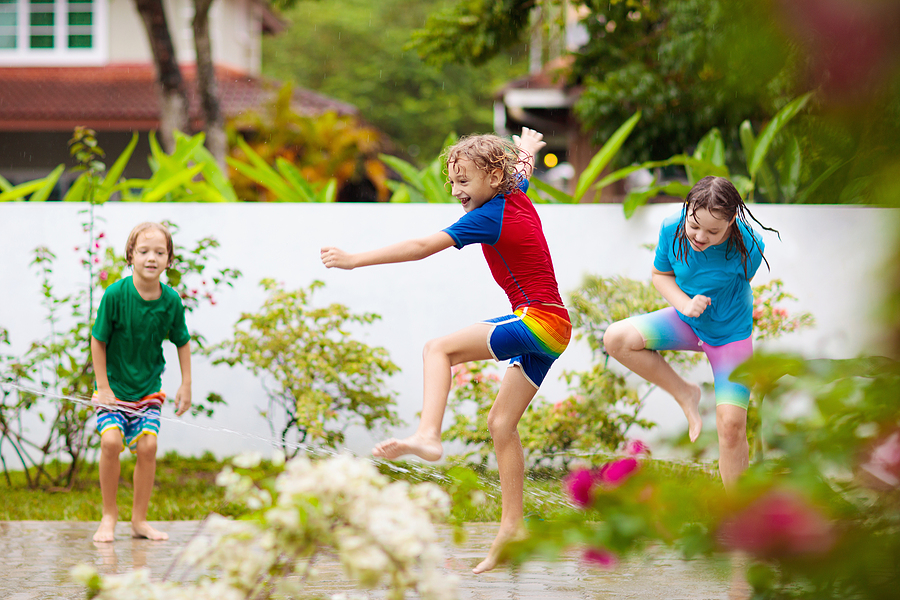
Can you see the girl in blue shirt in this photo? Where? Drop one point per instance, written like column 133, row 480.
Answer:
column 706, row 256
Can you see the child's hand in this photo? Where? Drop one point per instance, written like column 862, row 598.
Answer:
column 335, row 257
column 182, row 400
column 105, row 397
column 530, row 141
column 696, row 306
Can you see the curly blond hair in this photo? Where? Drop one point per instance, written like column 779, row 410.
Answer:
column 488, row 152
column 132, row 241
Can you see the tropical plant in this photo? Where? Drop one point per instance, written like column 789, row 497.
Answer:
column 290, row 155
column 709, row 158
column 320, row 379
column 419, row 185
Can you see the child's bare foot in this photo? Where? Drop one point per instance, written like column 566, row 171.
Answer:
column 142, row 529
column 428, row 449
column 691, row 407
column 504, row 536
column 107, row 530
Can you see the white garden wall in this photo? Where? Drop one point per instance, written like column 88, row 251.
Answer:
column 829, row 257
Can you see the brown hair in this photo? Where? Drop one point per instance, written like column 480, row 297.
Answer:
column 488, row 152
column 719, row 196
column 132, row 241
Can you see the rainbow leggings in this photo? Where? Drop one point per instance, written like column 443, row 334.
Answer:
column 664, row 330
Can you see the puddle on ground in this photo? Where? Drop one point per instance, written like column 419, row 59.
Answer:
column 35, row 558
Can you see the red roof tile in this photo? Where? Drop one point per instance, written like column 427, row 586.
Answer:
column 124, row 97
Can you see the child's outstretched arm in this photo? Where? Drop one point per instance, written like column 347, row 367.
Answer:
column 409, row 250
column 183, row 395
column 667, row 286
column 528, row 145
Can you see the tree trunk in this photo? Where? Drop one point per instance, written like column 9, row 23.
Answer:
column 173, row 100
column 206, row 83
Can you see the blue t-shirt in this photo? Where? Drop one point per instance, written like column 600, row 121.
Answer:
column 718, row 273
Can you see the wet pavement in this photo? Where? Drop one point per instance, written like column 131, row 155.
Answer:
column 35, row 558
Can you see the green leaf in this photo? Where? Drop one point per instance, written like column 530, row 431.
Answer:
column 604, row 155
column 408, row 172
column 213, row 174
column 435, row 192
column 77, row 189
column 295, row 178
column 42, row 194
column 329, row 193
column 767, row 135
column 555, row 194
column 401, row 195
column 5, row 185
column 21, row 190
column 178, row 180
column 803, row 197
column 115, row 172
column 790, row 176
column 635, row 199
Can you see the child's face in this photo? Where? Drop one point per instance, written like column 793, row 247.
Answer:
column 703, row 229
column 470, row 185
column 151, row 255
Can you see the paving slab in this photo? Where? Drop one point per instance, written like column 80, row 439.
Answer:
column 36, row 556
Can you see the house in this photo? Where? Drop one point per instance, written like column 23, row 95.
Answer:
column 65, row 63
column 544, row 100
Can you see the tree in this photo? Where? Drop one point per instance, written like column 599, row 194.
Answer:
column 354, row 50
column 173, row 101
column 669, row 59
column 216, row 140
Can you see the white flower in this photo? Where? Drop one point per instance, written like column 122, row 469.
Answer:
column 83, row 574
column 247, row 460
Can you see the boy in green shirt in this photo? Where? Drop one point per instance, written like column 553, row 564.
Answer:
column 136, row 314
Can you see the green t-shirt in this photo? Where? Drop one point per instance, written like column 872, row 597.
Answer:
column 133, row 330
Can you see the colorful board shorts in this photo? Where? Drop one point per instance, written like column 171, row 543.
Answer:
column 532, row 338
column 138, row 418
column 664, row 330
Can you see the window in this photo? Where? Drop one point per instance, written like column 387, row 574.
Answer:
column 52, row 32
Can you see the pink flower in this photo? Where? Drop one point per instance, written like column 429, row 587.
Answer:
column 781, row 312
column 778, row 524
column 615, row 473
column 104, row 275
column 101, row 235
column 883, row 462
column 636, row 448
column 757, row 314
column 600, row 557
column 579, row 485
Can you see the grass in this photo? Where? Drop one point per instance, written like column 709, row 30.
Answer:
column 185, row 490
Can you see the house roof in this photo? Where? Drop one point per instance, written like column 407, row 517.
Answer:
column 123, row 97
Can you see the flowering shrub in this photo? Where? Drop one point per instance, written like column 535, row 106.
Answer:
column 324, row 379
column 605, row 402
column 382, row 531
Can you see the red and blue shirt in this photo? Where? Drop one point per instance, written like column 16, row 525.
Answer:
column 510, row 233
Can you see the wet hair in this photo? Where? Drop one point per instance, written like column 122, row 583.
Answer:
column 488, row 152
column 133, row 236
column 723, row 201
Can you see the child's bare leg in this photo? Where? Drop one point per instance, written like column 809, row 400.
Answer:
column 438, row 356
column 516, row 392
column 144, row 475
column 110, row 467
column 734, row 450
column 626, row 344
